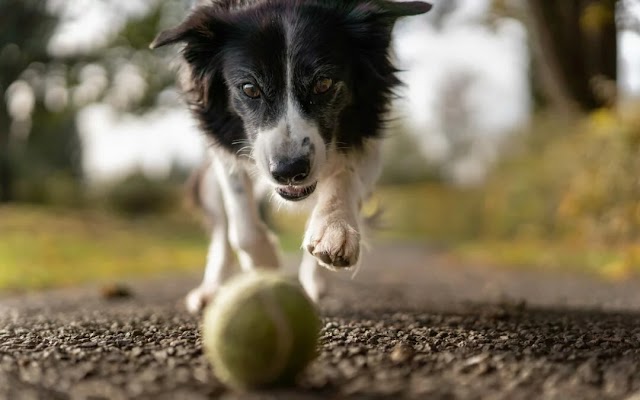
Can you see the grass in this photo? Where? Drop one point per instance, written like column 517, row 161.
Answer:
column 603, row 262
column 42, row 247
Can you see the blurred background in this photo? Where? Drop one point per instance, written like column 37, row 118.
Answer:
column 516, row 141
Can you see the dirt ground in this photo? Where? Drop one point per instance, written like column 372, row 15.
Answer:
column 409, row 325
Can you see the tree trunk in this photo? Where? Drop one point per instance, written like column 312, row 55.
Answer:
column 6, row 174
column 576, row 51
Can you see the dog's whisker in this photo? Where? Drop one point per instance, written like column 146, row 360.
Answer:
column 241, row 141
column 247, row 156
column 272, row 196
column 253, row 173
column 245, row 151
column 244, row 148
column 356, row 270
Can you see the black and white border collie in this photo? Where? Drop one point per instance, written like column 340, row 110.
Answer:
column 293, row 96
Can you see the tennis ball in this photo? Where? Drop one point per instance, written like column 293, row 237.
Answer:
column 260, row 330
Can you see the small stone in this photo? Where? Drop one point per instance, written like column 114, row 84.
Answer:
column 136, row 351
column 401, row 353
column 115, row 292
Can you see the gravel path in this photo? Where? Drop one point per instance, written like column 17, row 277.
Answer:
column 410, row 325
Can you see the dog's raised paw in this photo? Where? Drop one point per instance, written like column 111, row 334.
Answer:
column 334, row 244
column 198, row 298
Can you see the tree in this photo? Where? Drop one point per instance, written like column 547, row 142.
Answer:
column 52, row 144
column 23, row 25
column 575, row 48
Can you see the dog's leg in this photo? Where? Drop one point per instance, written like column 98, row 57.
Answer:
column 254, row 244
column 310, row 276
column 333, row 233
column 219, row 257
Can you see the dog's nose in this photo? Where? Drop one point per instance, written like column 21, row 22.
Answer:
column 290, row 171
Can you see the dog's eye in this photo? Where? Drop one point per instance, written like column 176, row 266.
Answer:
column 323, row 85
column 251, row 90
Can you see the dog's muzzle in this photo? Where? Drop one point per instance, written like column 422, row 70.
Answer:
column 291, row 174
column 289, row 171
column 296, row 193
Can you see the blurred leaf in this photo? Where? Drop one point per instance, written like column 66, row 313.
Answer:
column 138, row 33
column 139, row 195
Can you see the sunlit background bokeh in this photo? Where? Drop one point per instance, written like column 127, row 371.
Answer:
column 515, row 141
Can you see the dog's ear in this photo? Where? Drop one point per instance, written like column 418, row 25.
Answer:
column 406, row 8
column 386, row 12
column 198, row 26
column 169, row 36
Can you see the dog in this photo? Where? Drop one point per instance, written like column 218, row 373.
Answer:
column 293, row 96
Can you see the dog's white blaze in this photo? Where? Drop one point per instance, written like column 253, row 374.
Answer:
column 300, row 128
column 265, row 147
column 287, row 139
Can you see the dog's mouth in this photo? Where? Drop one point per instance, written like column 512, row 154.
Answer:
column 296, row 193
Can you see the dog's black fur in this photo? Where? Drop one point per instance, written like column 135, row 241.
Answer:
column 297, row 91
column 230, row 42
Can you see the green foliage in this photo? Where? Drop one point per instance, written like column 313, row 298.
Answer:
column 577, row 182
column 50, row 146
column 50, row 189
column 602, row 199
column 139, row 195
column 131, row 45
column 521, row 196
column 54, row 145
column 23, row 25
column 138, row 33
column 403, row 164
column 569, row 197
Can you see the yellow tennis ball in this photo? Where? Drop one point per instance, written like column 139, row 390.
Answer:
column 261, row 330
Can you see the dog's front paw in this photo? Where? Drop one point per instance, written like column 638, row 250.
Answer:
column 198, row 298
column 334, row 242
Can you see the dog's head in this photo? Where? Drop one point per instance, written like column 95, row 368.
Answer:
column 289, row 82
